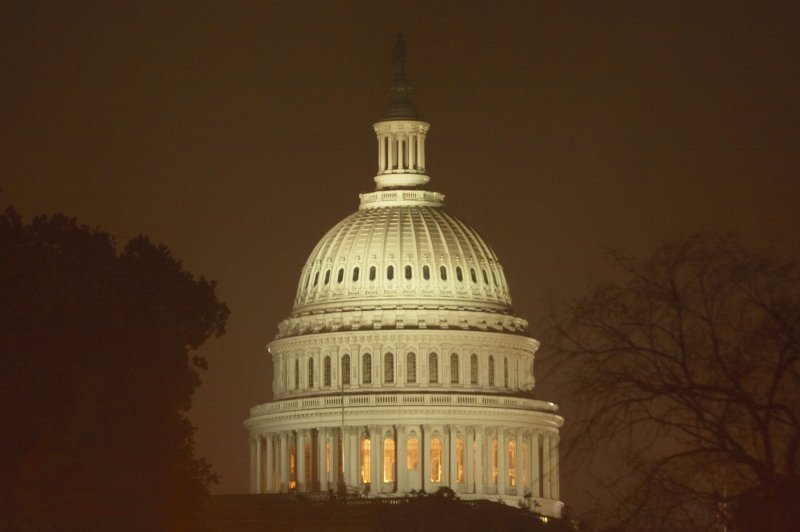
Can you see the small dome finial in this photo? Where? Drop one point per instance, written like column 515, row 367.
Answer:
column 400, row 105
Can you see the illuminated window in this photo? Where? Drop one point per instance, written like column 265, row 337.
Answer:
column 340, row 276
column 365, row 460
column 355, row 274
column 408, row 272
column 433, row 367
column 327, row 371
column 372, row 273
column 436, row 459
column 459, row 460
column 494, row 461
column 512, row 463
column 426, row 272
column 327, row 276
column 346, row 369
column 505, row 372
column 390, row 272
column 327, row 456
column 388, row 460
column 473, row 369
column 472, row 275
column 459, row 274
column 412, row 458
column 367, row 368
column 292, row 465
column 388, row 368
column 411, row 367
column 443, row 272
column 310, row 372
column 454, row 377
column 296, row 373
column 491, row 370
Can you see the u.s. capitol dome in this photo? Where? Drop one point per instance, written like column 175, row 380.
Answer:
column 402, row 367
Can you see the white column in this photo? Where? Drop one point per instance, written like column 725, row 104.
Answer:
column 270, row 459
column 546, row 465
column 480, row 440
column 555, row 478
column 469, row 473
column 452, row 455
column 300, row 449
column 259, row 465
column 502, row 463
column 323, row 448
column 425, row 457
column 402, row 459
column 253, row 465
column 380, row 153
column 412, row 151
column 518, row 463
column 283, row 461
column 536, row 489
column 422, row 151
column 375, row 452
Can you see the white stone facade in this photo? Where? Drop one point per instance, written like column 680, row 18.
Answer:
column 401, row 367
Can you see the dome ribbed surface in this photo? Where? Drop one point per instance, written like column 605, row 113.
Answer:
column 402, row 256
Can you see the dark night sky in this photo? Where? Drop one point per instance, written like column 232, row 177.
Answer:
column 238, row 133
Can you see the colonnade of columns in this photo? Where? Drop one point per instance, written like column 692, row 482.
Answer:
column 401, row 152
column 397, row 459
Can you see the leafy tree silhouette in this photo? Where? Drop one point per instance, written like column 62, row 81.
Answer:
column 97, row 373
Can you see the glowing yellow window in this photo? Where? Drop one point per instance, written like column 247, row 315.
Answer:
column 494, row 462
column 436, row 460
column 459, row 460
column 512, row 463
column 388, row 460
column 365, row 460
column 412, row 458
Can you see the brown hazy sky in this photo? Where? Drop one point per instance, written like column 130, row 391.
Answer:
column 238, row 133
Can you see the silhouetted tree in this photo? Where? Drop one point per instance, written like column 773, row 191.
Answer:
column 97, row 374
column 691, row 366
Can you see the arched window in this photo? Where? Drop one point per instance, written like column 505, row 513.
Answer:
column 485, row 278
column 310, row 372
column 327, row 276
column 366, row 368
column 472, row 275
column 355, row 274
column 494, row 278
column 327, row 371
column 443, row 272
column 433, row 367
column 340, row 276
column 292, row 464
column 459, row 274
column 436, row 459
column 459, row 459
column 390, row 272
column 372, row 273
column 365, row 459
column 454, row 377
column 412, row 459
column 296, row 373
column 408, row 272
column 505, row 372
column 388, row 459
column 346, row 369
column 473, row 369
column 388, row 368
column 316, row 278
column 491, row 370
column 426, row 272
column 411, row 367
